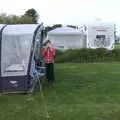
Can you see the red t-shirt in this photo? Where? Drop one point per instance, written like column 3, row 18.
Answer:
column 49, row 54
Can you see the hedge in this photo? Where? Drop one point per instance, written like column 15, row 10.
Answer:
column 88, row 55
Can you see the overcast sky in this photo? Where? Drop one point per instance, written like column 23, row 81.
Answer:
column 66, row 11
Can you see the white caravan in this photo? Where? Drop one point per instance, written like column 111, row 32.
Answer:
column 98, row 35
column 65, row 38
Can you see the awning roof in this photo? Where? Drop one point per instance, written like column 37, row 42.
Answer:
column 64, row 30
column 20, row 29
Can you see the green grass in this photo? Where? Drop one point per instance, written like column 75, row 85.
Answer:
column 117, row 46
column 81, row 92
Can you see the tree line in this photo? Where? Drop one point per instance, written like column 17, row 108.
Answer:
column 30, row 16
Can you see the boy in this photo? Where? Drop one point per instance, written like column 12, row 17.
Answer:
column 49, row 53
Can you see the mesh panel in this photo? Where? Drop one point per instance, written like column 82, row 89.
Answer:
column 15, row 54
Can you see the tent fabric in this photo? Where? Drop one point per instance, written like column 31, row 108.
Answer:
column 64, row 30
column 20, row 29
column 1, row 26
column 16, row 46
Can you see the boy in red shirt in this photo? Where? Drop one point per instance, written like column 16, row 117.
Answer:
column 49, row 53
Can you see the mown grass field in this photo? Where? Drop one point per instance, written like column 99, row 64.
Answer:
column 81, row 92
column 117, row 46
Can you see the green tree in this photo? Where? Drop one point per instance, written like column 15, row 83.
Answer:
column 47, row 29
column 56, row 26
column 26, row 20
column 15, row 19
column 9, row 19
column 72, row 26
column 2, row 18
column 32, row 13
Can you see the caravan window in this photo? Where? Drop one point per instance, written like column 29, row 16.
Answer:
column 100, row 36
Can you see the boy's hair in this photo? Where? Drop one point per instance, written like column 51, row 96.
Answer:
column 48, row 41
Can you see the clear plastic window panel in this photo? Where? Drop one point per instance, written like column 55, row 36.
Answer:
column 15, row 54
column 37, row 44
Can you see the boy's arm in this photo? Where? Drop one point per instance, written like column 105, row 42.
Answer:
column 52, row 50
column 44, row 51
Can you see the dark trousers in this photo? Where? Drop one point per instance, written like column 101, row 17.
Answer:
column 50, row 72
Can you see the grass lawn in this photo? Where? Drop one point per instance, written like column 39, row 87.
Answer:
column 117, row 46
column 81, row 92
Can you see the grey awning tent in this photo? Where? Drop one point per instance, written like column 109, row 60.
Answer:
column 18, row 44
